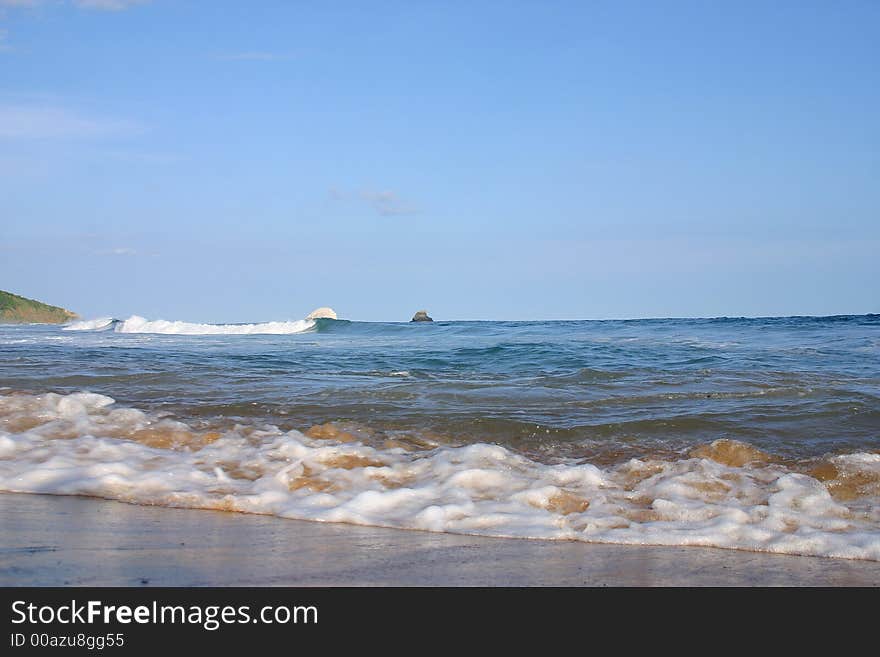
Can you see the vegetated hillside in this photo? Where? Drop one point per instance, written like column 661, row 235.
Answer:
column 19, row 310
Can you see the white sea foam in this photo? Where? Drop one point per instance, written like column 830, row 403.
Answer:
column 137, row 324
column 83, row 444
column 89, row 324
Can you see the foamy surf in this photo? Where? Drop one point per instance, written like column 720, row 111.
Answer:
column 90, row 324
column 726, row 495
column 137, row 324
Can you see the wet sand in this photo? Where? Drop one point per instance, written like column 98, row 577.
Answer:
column 53, row 541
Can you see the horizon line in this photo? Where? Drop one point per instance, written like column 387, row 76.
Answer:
column 581, row 319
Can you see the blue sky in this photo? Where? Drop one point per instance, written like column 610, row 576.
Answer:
column 246, row 161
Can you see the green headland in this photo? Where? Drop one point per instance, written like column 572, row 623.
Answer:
column 19, row 310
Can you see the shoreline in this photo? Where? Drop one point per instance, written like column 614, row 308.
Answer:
column 50, row 540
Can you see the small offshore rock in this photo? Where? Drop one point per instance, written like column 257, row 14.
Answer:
column 421, row 316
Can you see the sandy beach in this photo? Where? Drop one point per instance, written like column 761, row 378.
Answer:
column 61, row 540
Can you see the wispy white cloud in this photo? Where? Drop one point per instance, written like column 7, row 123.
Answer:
column 100, row 5
column 20, row 3
column 385, row 203
column 108, row 5
column 47, row 122
column 97, row 5
column 118, row 251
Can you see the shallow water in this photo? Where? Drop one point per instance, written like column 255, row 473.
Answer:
column 749, row 433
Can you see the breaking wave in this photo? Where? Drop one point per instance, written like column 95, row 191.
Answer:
column 102, row 323
column 137, row 324
column 724, row 494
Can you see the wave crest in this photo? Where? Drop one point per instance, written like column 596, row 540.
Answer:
column 98, row 324
column 138, row 324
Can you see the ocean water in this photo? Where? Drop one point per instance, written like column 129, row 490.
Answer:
column 755, row 434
